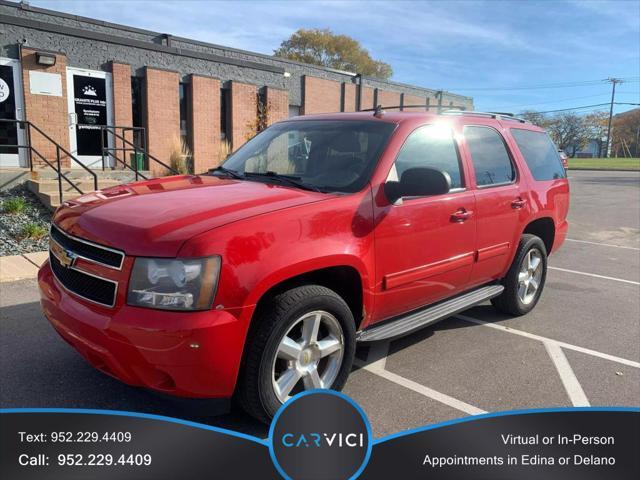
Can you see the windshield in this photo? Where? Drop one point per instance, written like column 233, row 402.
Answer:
column 330, row 155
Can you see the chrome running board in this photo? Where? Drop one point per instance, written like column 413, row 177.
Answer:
column 428, row 316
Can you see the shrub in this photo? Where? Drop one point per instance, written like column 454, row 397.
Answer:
column 225, row 151
column 180, row 153
column 14, row 205
column 34, row 231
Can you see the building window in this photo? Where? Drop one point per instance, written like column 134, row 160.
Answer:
column 185, row 118
column 262, row 112
column 225, row 112
column 137, row 108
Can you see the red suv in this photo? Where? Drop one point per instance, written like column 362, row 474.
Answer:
column 259, row 278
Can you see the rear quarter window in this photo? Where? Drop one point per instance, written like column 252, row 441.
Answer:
column 540, row 154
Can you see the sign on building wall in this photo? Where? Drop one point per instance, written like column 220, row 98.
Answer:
column 90, row 104
column 42, row 83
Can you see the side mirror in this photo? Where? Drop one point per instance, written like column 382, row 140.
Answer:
column 418, row 182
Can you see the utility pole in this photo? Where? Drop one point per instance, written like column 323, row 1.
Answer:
column 613, row 82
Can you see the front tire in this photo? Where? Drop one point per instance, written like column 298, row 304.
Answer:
column 525, row 279
column 301, row 339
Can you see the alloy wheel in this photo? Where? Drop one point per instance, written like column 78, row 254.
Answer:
column 530, row 276
column 309, row 355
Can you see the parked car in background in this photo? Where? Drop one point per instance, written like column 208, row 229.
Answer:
column 564, row 158
column 258, row 279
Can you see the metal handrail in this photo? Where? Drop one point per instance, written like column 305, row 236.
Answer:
column 59, row 172
column 59, row 148
column 107, row 151
column 115, row 157
column 66, row 152
column 112, row 131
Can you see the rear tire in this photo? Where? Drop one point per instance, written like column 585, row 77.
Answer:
column 525, row 279
column 304, row 336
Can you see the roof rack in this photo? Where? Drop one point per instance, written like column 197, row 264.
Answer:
column 448, row 110
column 381, row 108
column 496, row 115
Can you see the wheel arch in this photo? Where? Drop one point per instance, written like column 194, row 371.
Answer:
column 345, row 280
column 545, row 229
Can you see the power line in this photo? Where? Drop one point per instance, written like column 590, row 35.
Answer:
column 561, row 100
column 548, row 85
column 552, row 101
column 588, row 106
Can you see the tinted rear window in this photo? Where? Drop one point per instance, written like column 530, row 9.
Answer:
column 489, row 155
column 540, row 154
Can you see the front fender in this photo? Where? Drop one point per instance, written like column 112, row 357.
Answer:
column 263, row 251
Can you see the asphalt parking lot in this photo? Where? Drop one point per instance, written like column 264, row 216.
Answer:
column 580, row 346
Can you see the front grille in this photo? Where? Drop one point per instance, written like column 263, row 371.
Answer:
column 87, row 286
column 90, row 251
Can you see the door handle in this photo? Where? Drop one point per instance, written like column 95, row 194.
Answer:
column 518, row 203
column 460, row 215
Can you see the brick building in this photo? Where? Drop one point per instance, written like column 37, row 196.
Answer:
column 70, row 76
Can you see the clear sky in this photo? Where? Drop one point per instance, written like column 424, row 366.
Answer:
column 486, row 49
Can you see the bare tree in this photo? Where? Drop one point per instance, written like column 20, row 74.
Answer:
column 534, row 117
column 596, row 126
column 568, row 131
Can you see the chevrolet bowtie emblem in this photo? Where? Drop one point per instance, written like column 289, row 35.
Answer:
column 65, row 257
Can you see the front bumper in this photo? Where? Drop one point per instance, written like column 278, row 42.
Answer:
column 188, row 354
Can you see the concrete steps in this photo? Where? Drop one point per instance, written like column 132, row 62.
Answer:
column 45, row 187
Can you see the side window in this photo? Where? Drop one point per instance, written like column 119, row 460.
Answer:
column 540, row 154
column 431, row 146
column 489, row 156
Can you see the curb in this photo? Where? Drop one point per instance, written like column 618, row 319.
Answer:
column 21, row 267
column 603, row 169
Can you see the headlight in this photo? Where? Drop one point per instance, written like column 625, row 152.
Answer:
column 174, row 284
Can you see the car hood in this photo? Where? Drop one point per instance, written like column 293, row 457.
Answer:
column 155, row 217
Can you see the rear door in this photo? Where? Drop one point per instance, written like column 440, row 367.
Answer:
column 424, row 251
column 501, row 201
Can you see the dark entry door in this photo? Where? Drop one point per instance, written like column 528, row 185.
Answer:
column 10, row 108
column 90, row 109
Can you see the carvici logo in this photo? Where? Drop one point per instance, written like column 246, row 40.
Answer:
column 352, row 440
column 320, row 434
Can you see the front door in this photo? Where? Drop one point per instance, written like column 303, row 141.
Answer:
column 90, row 107
column 424, row 245
column 11, row 108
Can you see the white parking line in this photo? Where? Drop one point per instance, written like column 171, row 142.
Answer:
column 601, row 244
column 540, row 338
column 569, row 379
column 604, row 277
column 421, row 389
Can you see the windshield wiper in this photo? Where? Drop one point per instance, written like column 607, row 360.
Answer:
column 226, row 171
column 284, row 178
